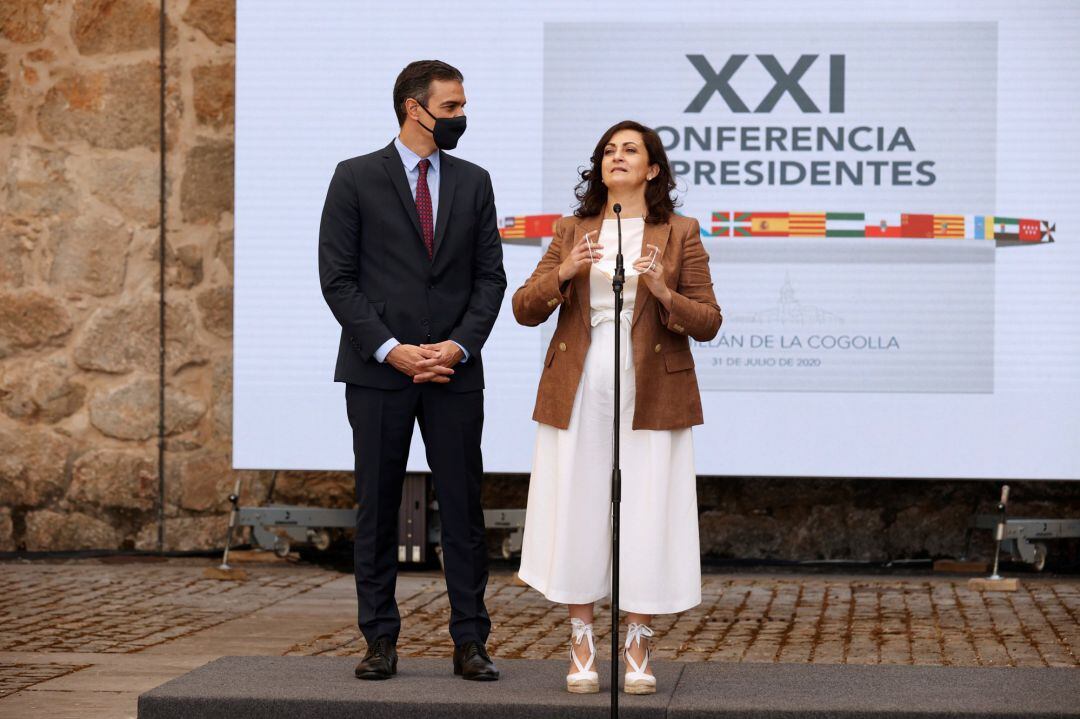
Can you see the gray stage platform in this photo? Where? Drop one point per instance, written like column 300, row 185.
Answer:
column 324, row 688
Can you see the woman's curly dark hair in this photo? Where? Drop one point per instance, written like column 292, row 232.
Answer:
column 591, row 192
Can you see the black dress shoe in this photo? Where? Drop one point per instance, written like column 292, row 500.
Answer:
column 472, row 662
column 380, row 662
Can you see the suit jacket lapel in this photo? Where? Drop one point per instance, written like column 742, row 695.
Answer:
column 446, row 198
column 655, row 234
column 582, row 287
column 396, row 170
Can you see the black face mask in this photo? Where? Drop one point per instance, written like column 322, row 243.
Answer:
column 447, row 130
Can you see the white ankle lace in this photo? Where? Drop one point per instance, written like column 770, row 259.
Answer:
column 580, row 630
column 634, row 633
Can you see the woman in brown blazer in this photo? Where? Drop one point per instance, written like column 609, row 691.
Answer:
column 668, row 298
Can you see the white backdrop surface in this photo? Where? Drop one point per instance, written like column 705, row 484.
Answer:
column 984, row 381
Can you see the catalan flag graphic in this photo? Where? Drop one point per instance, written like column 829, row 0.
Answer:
column 949, row 226
column 806, row 224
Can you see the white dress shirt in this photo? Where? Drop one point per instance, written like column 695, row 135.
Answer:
column 411, row 161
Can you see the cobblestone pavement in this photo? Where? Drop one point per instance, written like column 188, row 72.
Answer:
column 834, row 620
column 84, row 638
column 127, row 608
column 14, row 677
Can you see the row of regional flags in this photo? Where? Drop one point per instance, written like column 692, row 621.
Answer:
column 530, row 229
column 888, row 224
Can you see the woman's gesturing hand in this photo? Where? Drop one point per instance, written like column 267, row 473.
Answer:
column 651, row 271
column 586, row 252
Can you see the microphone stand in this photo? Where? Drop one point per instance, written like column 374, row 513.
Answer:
column 616, row 473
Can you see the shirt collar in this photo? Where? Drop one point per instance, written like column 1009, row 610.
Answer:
column 410, row 159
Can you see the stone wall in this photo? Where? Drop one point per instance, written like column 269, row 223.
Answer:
column 79, row 312
column 79, row 273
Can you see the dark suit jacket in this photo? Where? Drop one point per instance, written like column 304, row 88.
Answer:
column 378, row 280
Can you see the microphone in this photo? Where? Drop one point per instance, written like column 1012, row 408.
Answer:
column 619, row 273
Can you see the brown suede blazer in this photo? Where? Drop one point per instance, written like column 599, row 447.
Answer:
column 667, row 389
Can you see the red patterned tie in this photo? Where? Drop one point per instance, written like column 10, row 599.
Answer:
column 423, row 208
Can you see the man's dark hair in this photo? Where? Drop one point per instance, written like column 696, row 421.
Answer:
column 415, row 82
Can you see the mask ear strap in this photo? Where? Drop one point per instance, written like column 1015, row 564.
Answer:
column 429, row 129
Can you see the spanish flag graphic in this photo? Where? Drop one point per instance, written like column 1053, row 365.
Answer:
column 769, row 224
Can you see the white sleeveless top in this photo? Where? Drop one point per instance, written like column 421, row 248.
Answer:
column 600, row 295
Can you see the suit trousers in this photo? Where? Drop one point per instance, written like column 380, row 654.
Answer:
column 451, row 424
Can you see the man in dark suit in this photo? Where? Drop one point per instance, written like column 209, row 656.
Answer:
column 410, row 263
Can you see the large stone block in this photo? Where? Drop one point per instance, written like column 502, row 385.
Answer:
column 216, row 309
column 13, row 254
column 115, row 479
column 732, row 535
column 928, row 530
column 186, row 534
column 206, row 191
column 221, row 400
column 214, row 95
column 831, row 531
column 8, row 121
column 40, row 392
column 131, row 411
column 106, row 26
column 131, row 186
column 32, row 466
column 184, row 266
column 115, row 108
column 47, row 530
column 7, row 531
column 865, row 529
column 23, row 21
column 321, row 488
column 125, row 338
column 90, row 256
column 205, row 479
column 216, row 18
column 224, row 250
column 38, row 184
column 30, row 319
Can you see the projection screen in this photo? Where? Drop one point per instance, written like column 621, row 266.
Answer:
column 888, row 193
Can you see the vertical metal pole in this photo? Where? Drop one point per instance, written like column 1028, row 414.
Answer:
column 616, row 474
column 999, row 532
column 161, row 279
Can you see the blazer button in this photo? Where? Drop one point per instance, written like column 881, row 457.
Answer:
column 656, row 349
column 562, row 346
